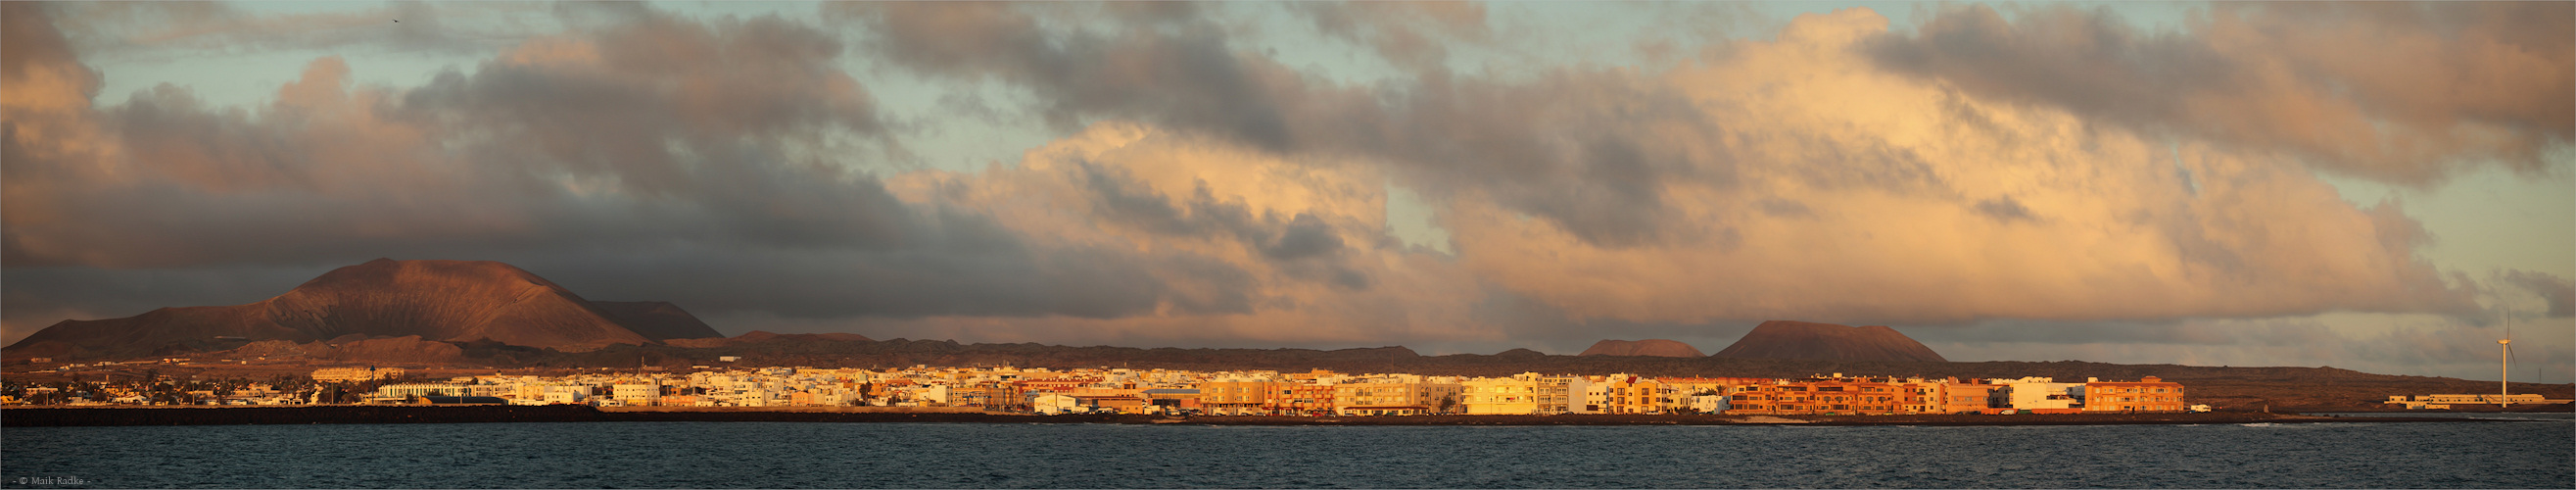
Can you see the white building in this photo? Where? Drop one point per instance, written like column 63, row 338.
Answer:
column 635, row 394
column 2041, row 393
column 422, row 389
column 1708, row 403
column 1054, row 403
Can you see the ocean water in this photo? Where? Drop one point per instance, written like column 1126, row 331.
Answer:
column 2527, row 454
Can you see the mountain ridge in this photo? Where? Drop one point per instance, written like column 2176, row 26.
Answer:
column 435, row 300
column 1789, row 339
column 1648, row 347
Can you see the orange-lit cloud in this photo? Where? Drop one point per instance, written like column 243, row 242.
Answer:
column 2405, row 92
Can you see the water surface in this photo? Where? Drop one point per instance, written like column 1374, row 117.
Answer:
column 794, row 455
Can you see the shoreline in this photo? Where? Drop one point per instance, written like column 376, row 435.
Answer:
column 401, row 414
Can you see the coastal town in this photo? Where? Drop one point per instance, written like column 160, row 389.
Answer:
column 1153, row 391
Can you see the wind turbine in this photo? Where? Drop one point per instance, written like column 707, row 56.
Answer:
column 2504, row 387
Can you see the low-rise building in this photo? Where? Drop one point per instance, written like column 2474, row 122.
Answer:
column 636, row 394
column 2035, row 394
column 355, row 374
column 1235, row 396
column 2149, row 394
column 1972, row 397
column 1516, row 395
column 423, row 389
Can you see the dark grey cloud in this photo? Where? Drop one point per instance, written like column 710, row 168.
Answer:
column 1785, row 208
column 1305, row 236
column 717, row 164
column 2004, row 209
column 167, row 28
column 2558, row 292
column 2396, row 91
column 1569, row 147
column 1413, row 35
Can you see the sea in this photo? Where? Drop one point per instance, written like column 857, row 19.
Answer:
column 2536, row 451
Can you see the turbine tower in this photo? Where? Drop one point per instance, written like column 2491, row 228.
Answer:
column 2504, row 386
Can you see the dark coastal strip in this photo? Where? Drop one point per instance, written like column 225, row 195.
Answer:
column 360, row 414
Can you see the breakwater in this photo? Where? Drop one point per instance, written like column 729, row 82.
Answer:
column 414, row 414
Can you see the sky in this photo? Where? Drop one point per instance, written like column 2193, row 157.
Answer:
column 2372, row 186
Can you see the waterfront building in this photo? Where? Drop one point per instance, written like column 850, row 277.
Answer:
column 2149, row 394
column 407, row 390
column 1972, row 397
column 1516, row 395
column 1300, row 399
column 1626, row 394
column 1236, row 396
column 2042, row 395
column 1837, row 395
column 2446, row 401
column 1053, row 403
column 1396, row 392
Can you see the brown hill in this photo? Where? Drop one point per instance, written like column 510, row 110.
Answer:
column 1648, row 347
column 762, row 337
column 436, row 300
column 1782, row 339
column 657, row 320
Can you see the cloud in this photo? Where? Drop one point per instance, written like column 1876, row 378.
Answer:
column 720, row 164
column 177, row 28
column 2557, row 292
column 2398, row 92
column 1415, row 35
column 1198, row 193
column 1659, row 196
column 589, row 138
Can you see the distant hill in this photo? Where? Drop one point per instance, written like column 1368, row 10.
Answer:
column 757, row 336
column 657, row 320
column 434, row 300
column 1648, row 347
column 1782, row 339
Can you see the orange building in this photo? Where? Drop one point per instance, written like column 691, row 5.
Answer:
column 2149, row 394
column 1970, row 398
column 1839, row 396
column 1054, row 385
column 1623, row 393
column 1299, row 399
column 1235, row 397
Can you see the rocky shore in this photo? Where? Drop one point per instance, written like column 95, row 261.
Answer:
column 367, row 414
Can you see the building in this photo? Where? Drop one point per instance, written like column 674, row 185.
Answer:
column 1236, row 396
column 1127, row 404
column 1706, row 403
column 636, row 394
column 354, row 375
column 1972, row 397
column 2439, row 402
column 1433, row 397
column 2148, row 394
column 1626, row 394
column 1683, row 390
column 2041, row 395
column 1170, row 399
column 1054, row 403
column 1516, row 395
column 407, row 390
column 1300, row 399
column 1839, row 395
